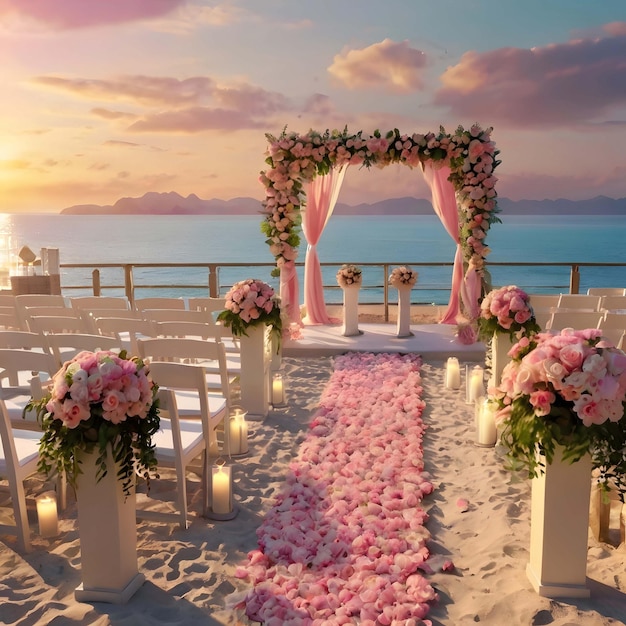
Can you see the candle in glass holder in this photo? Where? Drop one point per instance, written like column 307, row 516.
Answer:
column 453, row 373
column 238, row 432
column 221, row 490
column 486, row 431
column 475, row 387
column 47, row 514
column 278, row 390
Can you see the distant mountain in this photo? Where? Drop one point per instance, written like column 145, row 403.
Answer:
column 172, row 203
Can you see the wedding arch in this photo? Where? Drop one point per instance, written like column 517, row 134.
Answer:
column 303, row 181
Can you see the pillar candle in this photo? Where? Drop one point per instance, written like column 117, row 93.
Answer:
column 238, row 433
column 453, row 373
column 486, row 432
column 47, row 515
column 221, row 490
column 475, row 385
column 278, row 392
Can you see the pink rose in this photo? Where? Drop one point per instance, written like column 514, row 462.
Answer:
column 73, row 413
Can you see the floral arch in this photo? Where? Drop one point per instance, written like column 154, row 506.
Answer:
column 305, row 172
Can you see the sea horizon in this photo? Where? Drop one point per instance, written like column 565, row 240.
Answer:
column 403, row 240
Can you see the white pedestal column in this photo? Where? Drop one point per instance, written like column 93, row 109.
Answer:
column 500, row 345
column 108, row 536
column 351, row 311
column 558, row 529
column 404, row 312
column 255, row 372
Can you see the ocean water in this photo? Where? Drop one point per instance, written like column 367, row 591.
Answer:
column 398, row 240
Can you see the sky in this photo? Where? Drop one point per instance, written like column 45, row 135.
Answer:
column 104, row 99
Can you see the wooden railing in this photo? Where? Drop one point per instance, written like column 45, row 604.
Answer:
column 127, row 278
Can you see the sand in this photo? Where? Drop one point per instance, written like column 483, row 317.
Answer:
column 190, row 574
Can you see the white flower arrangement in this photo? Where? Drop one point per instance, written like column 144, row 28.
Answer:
column 403, row 277
column 349, row 275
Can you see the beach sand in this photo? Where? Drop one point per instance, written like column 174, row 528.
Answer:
column 190, row 574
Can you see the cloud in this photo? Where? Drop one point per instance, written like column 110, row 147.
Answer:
column 580, row 81
column 390, row 65
column 107, row 114
column 144, row 90
column 195, row 119
column 183, row 105
column 188, row 17
column 121, row 144
column 73, row 14
column 252, row 99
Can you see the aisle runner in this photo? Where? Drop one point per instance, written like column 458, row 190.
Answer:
column 345, row 540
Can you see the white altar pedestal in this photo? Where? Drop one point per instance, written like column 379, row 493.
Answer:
column 500, row 345
column 404, row 312
column 558, row 529
column 108, row 536
column 351, row 311
column 255, row 376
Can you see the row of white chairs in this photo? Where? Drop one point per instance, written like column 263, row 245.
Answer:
column 79, row 313
column 195, row 395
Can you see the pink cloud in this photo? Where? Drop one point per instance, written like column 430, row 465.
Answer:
column 69, row 14
column 391, row 65
column 146, row 90
column 195, row 119
column 580, row 81
column 250, row 98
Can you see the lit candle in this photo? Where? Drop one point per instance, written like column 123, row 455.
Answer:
column 221, row 490
column 474, row 384
column 486, row 432
column 278, row 392
column 238, row 432
column 47, row 515
column 453, row 373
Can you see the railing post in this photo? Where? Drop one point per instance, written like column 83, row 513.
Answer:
column 214, row 288
column 574, row 279
column 129, row 286
column 95, row 281
column 386, row 291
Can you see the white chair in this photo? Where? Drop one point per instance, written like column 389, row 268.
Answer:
column 187, row 429
column 9, row 318
column 579, row 302
column 23, row 339
column 578, row 320
column 213, row 306
column 66, row 346
column 141, row 304
column 32, row 371
column 87, row 303
column 203, row 330
column 613, row 303
column 613, row 326
column 176, row 315
column 90, row 316
column 47, row 324
column 31, row 300
column 19, row 456
column 210, row 354
column 606, row 291
column 126, row 330
column 544, row 300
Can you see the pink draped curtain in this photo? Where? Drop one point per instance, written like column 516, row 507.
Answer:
column 290, row 292
column 465, row 288
column 321, row 194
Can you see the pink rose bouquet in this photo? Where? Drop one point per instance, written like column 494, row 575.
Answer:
column 402, row 277
column 566, row 389
column 104, row 401
column 349, row 275
column 251, row 302
column 506, row 310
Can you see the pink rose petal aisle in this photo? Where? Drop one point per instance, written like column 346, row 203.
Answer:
column 345, row 540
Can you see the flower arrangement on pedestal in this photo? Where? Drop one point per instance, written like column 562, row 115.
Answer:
column 566, row 389
column 403, row 277
column 251, row 302
column 507, row 311
column 97, row 400
column 349, row 276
